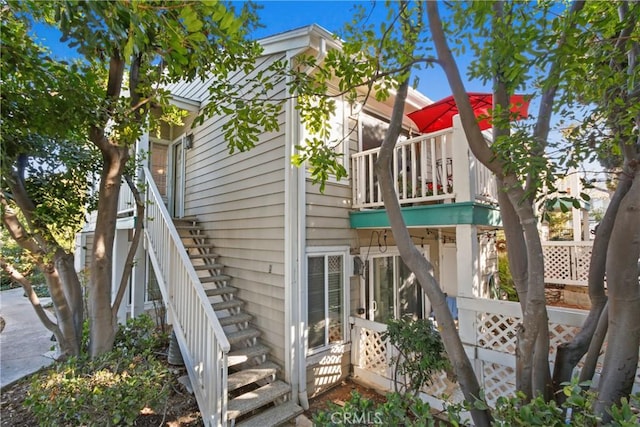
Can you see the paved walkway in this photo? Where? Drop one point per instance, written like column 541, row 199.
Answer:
column 25, row 344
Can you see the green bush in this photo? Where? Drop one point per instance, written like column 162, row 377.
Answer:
column 109, row 390
column 421, row 353
column 408, row 410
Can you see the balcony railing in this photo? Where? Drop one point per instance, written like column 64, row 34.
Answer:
column 430, row 168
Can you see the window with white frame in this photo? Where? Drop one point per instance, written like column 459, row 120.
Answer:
column 392, row 291
column 326, row 278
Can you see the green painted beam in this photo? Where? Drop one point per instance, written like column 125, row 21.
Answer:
column 431, row 215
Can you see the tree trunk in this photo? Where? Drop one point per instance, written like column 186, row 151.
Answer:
column 569, row 354
column 621, row 359
column 103, row 327
column 421, row 267
column 72, row 289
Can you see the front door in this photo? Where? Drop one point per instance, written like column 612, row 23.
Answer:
column 177, row 165
column 392, row 289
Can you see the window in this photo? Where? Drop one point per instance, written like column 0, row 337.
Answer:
column 325, row 299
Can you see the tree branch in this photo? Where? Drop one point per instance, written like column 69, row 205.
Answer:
column 17, row 277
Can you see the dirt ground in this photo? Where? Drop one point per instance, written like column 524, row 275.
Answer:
column 340, row 394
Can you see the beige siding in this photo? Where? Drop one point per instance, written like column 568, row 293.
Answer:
column 239, row 199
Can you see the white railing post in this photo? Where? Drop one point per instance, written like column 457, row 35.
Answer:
column 463, row 164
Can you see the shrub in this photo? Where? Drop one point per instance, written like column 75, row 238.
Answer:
column 407, row 410
column 109, row 390
column 421, row 353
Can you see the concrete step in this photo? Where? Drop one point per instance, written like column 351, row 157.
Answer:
column 251, row 375
column 243, row 355
column 235, row 319
column 242, row 335
column 253, row 400
column 223, row 290
column 225, row 305
column 273, row 416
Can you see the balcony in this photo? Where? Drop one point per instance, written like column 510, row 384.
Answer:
column 430, row 168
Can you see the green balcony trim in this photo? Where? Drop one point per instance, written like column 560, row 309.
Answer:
column 431, row 215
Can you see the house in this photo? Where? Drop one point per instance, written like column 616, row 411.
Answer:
column 275, row 289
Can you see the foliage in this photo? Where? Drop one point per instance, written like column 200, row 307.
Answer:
column 140, row 336
column 108, row 390
column 405, row 410
column 408, row 410
column 558, row 225
column 506, row 286
column 14, row 255
column 421, row 351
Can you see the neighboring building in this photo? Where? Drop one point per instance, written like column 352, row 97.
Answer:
column 264, row 276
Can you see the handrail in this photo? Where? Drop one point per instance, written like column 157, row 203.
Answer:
column 195, row 323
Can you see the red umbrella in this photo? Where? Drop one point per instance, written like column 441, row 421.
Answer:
column 439, row 115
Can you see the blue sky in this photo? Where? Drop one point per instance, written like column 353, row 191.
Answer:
column 280, row 16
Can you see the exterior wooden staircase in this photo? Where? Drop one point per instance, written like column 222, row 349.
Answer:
column 256, row 397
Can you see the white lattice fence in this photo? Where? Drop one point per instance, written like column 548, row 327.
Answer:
column 566, row 263
column 498, row 380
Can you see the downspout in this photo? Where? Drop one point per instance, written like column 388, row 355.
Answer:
column 302, row 256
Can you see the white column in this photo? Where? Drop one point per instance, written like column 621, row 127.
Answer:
column 120, row 250
column 138, row 281
column 462, row 167
column 468, row 261
column 468, row 258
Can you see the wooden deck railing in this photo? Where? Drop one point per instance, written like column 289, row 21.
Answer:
column 201, row 337
column 424, row 170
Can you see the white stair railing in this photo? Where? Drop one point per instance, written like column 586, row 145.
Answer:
column 202, row 340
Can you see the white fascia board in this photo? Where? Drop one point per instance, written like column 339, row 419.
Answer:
column 185, row 103
column 417, row 100
column 299, row 38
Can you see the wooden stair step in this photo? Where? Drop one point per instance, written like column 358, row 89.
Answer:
column 204, row 256
column 242, row 335
column 223, row 290
column 273, row 416
column 253, row 400
column 214, row 279
column 235, row 319
column 208, row 267
column 189, row 218
column 225, row 305
column 187, row 226
column 243, row 355
column 251, row 375
column 198, row 245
